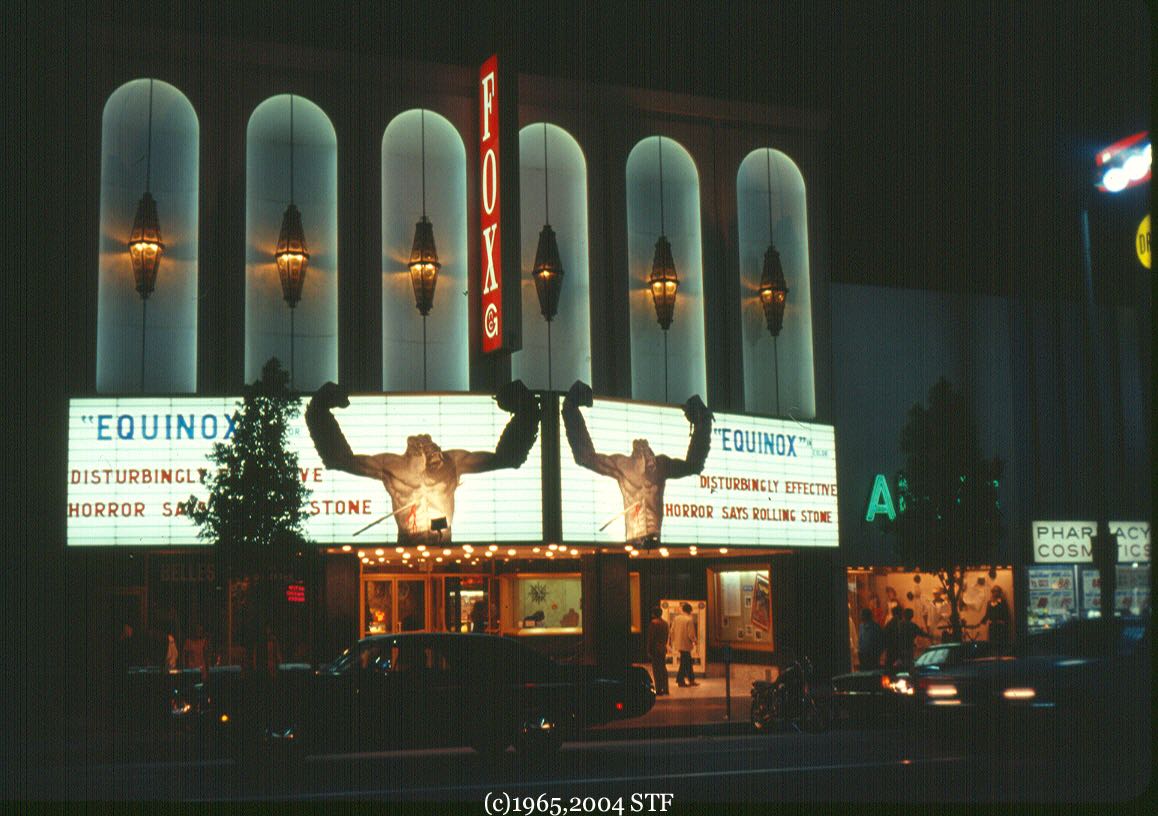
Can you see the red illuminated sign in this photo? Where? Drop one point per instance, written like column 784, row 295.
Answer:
column 295, row 593
column 491, row 302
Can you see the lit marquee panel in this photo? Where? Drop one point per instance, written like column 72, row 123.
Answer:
column 765, row 482
column 132, row 461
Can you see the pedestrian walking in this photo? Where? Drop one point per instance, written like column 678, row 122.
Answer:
column 658, row 633
column 683, row 640
column 870, row 641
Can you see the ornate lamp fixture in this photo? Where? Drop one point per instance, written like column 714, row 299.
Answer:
column 773, row 287
column 292, row 254
column 664, row 282
column 424, row 264
column 145, row 244
column 548, row 269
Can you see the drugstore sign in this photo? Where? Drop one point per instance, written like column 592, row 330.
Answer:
column 1071, row 542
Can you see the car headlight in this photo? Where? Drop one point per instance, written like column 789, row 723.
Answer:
column 941, row 690
column 900, row 685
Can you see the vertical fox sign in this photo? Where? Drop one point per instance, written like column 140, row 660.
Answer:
column 499, row 304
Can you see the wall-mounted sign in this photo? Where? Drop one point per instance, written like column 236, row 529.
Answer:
column 1070, row 542
column 490, row 209
column 1142, row 241
column 880, row 500
column 131, row 462
column 645, row 474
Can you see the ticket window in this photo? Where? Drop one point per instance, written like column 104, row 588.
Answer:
column 470, row 604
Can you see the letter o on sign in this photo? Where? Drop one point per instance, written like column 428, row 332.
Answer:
column 490, row 180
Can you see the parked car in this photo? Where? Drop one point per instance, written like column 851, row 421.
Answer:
column 882, row 695
column 425, row 690
column 1085, row 682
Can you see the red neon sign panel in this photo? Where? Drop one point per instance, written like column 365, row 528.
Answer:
column 490, row 237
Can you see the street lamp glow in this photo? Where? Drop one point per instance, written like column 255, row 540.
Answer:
column 1126, row 163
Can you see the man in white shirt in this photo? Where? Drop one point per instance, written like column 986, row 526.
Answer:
column 683, row 640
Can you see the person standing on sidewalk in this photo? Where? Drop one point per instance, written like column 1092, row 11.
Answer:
column 683, row 639
column 657, row 637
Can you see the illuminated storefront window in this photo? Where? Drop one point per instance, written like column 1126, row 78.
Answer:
column 885, row 591
column 741, row 602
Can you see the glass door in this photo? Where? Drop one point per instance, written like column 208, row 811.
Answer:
column 394, row 604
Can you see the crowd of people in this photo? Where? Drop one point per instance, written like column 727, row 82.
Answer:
column 895, row 643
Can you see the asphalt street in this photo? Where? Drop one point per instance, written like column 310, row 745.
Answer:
column 838, row 766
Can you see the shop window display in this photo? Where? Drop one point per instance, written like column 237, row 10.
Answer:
column 883, row 591
column 548, row 602
column 743, row 608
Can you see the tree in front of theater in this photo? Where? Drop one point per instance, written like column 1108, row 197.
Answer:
column 257, row 503
column 952, row 517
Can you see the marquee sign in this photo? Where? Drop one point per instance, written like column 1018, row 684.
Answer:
column 1071, row 542
column 131, row 462
column 764, row 482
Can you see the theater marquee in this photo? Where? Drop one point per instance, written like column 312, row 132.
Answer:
column 131, row 462
column 765, row 482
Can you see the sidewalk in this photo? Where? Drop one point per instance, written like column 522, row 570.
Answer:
column 699, row 710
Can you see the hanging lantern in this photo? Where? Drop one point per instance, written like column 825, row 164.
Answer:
column 145, row 246
column 773, row 291
column 548, row 273
column 664, row 282
column 292, row 255
column 424, row 265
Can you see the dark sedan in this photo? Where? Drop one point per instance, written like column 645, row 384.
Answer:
column 1087, row 680
column 425, row 690
column 877, row 696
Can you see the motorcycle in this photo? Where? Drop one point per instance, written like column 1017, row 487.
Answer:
column 789, row 700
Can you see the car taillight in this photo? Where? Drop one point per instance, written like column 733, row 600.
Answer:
column 619, row 705
column 886, row 682
column 1019, row 694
